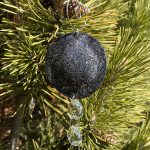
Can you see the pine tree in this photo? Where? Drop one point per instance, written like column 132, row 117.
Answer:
column 116, row 116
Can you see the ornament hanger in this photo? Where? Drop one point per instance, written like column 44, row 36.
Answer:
column 85, row 11
column 67, row 11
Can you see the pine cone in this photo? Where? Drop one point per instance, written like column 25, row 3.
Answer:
column 107, row 136
column 75, row 8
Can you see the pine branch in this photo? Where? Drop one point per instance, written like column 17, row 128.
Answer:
column 17, row 121
column 139, row 138
column 123, row 98
column 137, row 17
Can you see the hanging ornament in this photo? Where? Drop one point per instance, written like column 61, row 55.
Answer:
column 75, row 64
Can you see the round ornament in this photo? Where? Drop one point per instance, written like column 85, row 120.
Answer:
column 75, row 64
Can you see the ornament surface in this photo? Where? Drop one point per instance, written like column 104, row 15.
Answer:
column 75, row 64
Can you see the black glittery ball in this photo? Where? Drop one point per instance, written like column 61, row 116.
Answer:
column 75, row 64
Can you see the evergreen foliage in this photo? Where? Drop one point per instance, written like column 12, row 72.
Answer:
column 116, row 116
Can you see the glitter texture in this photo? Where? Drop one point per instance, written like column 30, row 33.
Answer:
column 76, row 64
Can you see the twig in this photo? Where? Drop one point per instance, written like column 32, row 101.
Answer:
column 17, row 121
